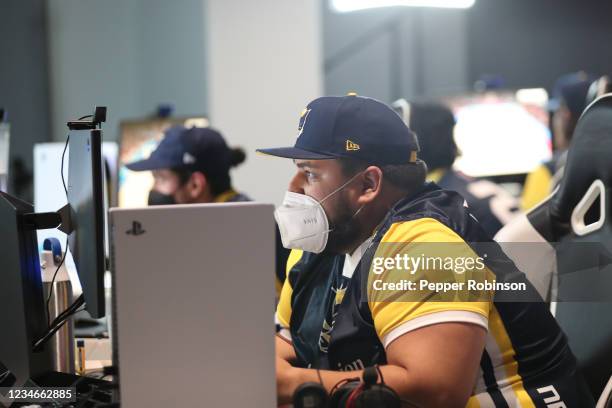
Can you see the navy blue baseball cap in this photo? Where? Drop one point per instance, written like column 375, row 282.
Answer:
column 194, row 148
column 351, row 126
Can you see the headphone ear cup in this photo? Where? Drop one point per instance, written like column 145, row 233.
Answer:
column 379, row 396
column 310, row 395
column 340, row 396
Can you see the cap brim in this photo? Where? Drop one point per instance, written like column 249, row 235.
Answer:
column 295, row 153
column 147, row 165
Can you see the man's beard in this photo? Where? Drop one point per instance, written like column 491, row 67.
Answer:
column 344, row 229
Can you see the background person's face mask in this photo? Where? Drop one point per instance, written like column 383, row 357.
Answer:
column 157, row 198
column 302, row 221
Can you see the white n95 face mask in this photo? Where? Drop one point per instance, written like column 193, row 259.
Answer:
column 302, row 221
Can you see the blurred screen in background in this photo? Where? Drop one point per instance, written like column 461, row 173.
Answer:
column 501, row 133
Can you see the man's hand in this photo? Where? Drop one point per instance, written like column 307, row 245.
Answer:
column 286, row 381
column 286, row 375
column 434, row 366
column 284, row 349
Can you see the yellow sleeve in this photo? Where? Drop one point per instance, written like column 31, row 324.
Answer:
column 443, row 255
column 537, row 187
column 283, row 309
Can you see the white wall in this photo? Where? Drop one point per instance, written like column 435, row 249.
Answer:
column 130, row 55
column 264, row 65
column 255, row 64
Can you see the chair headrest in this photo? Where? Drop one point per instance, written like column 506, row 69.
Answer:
column 589, row 158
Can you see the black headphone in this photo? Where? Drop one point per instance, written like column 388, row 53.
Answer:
column 311, row 395
column 367, row 393
column 353, row 393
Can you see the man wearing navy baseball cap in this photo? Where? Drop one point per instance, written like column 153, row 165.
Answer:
column 191, row 165
column 357, row 211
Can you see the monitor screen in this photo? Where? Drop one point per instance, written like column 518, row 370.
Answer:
column 85, row 196
column 49, row 194
column 4, row 156
column 501, row 133
column 138, row 139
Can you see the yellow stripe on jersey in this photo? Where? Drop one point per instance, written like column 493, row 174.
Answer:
column 294, row 257
column 537, row 187
column 436, row 175
column 390, row 309
column 508, row 357
column 473, row 402
column 283, row 309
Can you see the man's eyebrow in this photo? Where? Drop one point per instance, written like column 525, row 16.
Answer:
column 303, row 164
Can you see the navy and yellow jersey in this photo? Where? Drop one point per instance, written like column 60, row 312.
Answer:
column 492, row 206
column 231, row 196
column 333, row 323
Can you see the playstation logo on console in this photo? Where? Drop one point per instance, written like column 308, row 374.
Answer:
column 136, row 229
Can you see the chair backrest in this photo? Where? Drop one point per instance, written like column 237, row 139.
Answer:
column 581, row 223
column 577, row 222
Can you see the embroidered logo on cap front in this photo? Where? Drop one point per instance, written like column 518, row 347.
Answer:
column 351, row 146
column 303, row 117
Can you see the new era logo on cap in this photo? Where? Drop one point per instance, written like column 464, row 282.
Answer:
column 351, row 126
column 188, row 158
column 351, row 146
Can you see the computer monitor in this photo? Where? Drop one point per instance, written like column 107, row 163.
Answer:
column 86, row 200
column 501, row 133
column 22, row 309
column 4, row 154
column 23, row 314
column 138, row 139
column 49, row 194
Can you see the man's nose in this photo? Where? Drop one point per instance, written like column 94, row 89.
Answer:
column 295, row 185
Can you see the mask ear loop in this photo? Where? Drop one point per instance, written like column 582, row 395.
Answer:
column 358, row 211
column 341, row 187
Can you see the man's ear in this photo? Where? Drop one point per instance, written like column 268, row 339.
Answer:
column 371, row 184
column 197, row 184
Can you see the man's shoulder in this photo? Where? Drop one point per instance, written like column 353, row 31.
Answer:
column 432, row 211
column 239, row 198
column 422, row 229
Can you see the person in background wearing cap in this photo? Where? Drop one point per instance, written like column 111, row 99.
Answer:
column 191, row 165
column 434, row 125
column 359, row 187
column 568, row 102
